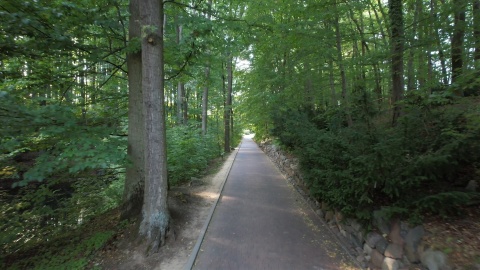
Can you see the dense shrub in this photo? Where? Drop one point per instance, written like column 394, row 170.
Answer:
column 419, row 166
column 188, row 153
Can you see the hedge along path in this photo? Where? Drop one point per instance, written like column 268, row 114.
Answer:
column 260, row 222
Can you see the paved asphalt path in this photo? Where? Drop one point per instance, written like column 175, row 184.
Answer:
column 260, row 222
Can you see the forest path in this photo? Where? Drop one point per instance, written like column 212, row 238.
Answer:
column 260, row 222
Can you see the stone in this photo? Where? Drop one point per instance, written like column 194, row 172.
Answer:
column 380, row 222
column 395, row 234
column 377, row 258
column 394, row 251
column 360, row 258
column 382, row 245
column 412, row 241
column 390, row 264
column 329, row 216
column 367, row 249
column 357, row 242
column 319, row 212
column 372, row 239
column 343, row 233
column 434, row 260
column 356, row 225
column 325, row 206
column 338, row 216
column 472, row 186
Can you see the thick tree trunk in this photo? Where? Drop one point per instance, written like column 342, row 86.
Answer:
column 155, row 215
column 397, row 47
column 135, row 176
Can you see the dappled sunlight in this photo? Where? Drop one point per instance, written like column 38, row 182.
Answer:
column 207, row 194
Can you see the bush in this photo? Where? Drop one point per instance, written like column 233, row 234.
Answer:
column 420, row 166
column 188, row 153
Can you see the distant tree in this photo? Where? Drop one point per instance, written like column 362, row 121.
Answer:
column 458, row 35
column 397, row 47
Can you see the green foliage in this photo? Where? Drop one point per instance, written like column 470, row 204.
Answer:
column 420, row 166
column 38, row 212
column 73, row 255
column 188, row 153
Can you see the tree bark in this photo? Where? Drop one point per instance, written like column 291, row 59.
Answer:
column 155, row 216
column 207, row 85
column 397, row 46
column 135, row 176
column 338, row 39
column 441, row 54
column 476, row 32
column 228, row 103
column 457, row 42
column 205, row 101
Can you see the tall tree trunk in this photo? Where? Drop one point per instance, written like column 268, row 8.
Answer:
column 338, row 39
column 181, row 85
column 457, row 42
column 397, row 46
column 441, row 54
column 476, row 32
column 411, row 76
column 135, row 175
column 205, row 101
column 180, row 102
column 207, row 85
column 228, row 103
column 332, row 83
column 155, row 215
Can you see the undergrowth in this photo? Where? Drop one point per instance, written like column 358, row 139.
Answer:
column 420, row 166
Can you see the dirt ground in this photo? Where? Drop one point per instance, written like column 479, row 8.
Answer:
column 190, row 206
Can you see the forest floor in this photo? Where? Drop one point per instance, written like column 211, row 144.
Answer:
column 459, row 238
column 189, row 206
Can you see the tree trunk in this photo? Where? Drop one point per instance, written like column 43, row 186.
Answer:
column 441, row 54
column 411, row 75
column 155, row 215
column 332, row 83
column 338, row 39
column 180, row 101
column 476, row 32
column 457, row 42
column 397, row 47
column 207, row 85
column 205, row 101
column 228, row 103
column 135, row 176
column 181, row 85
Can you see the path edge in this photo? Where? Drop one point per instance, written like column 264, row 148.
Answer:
column 193, row 256
column 295, row 187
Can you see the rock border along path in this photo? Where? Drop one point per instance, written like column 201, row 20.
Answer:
column 260, row 222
